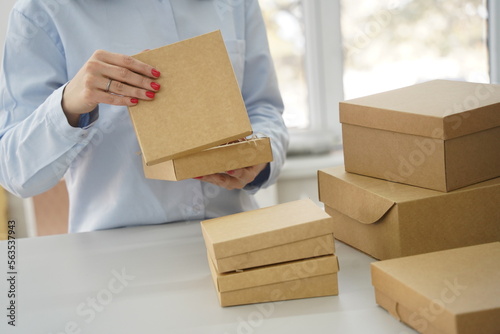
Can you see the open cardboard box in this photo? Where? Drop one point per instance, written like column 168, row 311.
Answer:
column 284, row 232
column 314, row 277
column 455, row 291
column 213, row 160
column 387, row 220
column 198, row 107
column 440, row 134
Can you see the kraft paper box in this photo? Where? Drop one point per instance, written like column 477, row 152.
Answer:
column 199, row 104
column 213, row 160
column 281, row 233
column 440, row 135
column 448, row 292
column 292, row 280
column 387, row 220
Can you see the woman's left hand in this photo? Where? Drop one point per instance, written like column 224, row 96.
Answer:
column 234, row 179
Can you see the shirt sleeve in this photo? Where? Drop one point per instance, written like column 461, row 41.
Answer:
column 37, row 144
column 261, row 93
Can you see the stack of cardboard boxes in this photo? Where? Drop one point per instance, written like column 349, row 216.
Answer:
column 276, row 253
column 422, row 167
column 422, row 175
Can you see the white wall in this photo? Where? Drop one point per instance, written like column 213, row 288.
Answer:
column 5, row 8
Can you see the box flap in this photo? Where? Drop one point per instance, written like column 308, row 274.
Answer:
column 283, row 272
column 363, row 198
column 462, row 284
column 199, row 105
column 440, row 109
column 336, row 191
column 263, row 228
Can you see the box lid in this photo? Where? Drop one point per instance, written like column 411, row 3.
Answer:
column 277, row 273
column 458, row 290
column 263, row 228
column 440, row 109
column 368, row 199
column 199, row 105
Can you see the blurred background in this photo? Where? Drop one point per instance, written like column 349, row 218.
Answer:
column 327, row 51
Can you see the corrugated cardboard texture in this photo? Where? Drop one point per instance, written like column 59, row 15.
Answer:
column 440, row 135
column 439, row 109
column 199, row 104
column 213, row 160
column 298, row 279
column 264, row 228
column 302, row 249
column 387, row 220
column 450, row 292
column 3, row 215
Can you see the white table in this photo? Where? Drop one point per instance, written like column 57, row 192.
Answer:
column 68, row 284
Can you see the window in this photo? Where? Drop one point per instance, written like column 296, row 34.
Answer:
column 285, row 29
column 390, row 44
column 326, row 51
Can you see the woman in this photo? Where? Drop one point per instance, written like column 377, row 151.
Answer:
column 59, row 116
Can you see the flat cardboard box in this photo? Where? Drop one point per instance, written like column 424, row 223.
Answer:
column 292, row 280
column 199, row 104
column 448, row 292
column 261, row 235
column 388, row 220
column 213, row 160
column 440, row 134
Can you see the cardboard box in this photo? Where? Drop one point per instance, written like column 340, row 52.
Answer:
column 449, row 292
column 387, row 220
column 199, row 105
column 265, row 236
column 440, row 135
column 292, row 280
column 213, row 160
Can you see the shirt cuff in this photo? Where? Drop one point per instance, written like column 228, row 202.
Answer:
column 86, row 120
column 260, row 179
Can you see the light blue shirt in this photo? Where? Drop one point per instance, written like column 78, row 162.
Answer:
column 46, row 45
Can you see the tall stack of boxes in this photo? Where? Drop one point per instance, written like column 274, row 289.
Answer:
column 422, row 175
column 422, row 167
column 277, row 253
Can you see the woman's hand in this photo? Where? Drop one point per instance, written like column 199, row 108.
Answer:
column 234, row 179
column 109, row 78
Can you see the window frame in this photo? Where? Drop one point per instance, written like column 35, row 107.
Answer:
column 494, row 40
column 325, row 65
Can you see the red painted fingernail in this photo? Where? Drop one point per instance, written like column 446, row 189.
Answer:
column 155, row 73
column 150, row 94
column 230, row 172
column 198, row 178
column 155, row 86
column 134, row 101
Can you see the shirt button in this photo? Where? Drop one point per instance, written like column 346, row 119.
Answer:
column 84, row 135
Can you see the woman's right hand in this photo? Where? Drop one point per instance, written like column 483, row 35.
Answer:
column 129, row 80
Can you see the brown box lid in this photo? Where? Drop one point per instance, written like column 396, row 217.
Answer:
column 298, row 279
column 440, row 109
column 199, row 104
column 367, row 199
column 455, row 291
column 387, row 219
column 264, row 228
column 302, row 249
column 213, row 160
